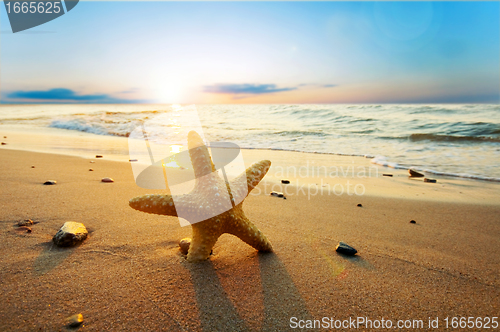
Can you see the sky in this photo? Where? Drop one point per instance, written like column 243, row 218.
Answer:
column 256, row 52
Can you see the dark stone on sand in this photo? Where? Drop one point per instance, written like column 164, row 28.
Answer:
column 91, row 169
column 285, row 181
column 75, row 320
column 360, row 205
column 107, row 180
column 277, row 194
column 345, row 249
column 132, row 160
column 70, row 234
column 98, row 156
column 5, row 137
column 413, row 222
column 430, row 180
column 415, row 174
column 184, row 245
column 386, row 174
column 25, row 222
column 3, row 143
column 50, row 182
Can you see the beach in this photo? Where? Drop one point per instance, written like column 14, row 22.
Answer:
column 130, row 275
column 250, row 166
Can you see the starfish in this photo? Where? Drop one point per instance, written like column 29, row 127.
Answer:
column 210, row 192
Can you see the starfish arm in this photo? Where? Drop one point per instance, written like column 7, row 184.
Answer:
column 200, row 158
column 250, row 234
column 205, row 234
column 252, row 176
column 157, row 204
column 256, row 172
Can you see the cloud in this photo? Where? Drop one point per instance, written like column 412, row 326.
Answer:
column 329, row 85
column 62, row 95
column 248, row 89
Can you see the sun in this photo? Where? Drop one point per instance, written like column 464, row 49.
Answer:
column 171, row 94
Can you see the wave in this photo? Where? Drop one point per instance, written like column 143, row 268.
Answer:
column 295, row 133
column 382, row 161
column 451, row 138
column 445, row 138
column 434, row 110
column 88, row 127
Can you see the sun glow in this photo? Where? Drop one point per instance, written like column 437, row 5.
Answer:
column 170, row 93
column 175, row 148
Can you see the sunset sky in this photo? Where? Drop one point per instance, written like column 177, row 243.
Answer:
column 256, row 52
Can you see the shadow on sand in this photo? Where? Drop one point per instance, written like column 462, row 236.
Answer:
column 281, row 298
column 50, row 257
column 358, row 260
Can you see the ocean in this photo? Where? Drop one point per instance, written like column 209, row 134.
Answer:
column 454, row 140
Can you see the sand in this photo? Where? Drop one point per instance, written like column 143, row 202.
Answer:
column 130, row 275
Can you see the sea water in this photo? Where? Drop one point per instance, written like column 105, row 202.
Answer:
column 456, row 140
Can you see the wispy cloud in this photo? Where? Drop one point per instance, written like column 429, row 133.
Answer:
column 245, row 89
column 329, row 85
column 61, row 95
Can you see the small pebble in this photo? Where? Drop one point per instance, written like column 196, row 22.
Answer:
column 98, row 156
column 285, row 181
column 360, row 205
column 91, row 169
column 413, row 222
column 32, row 166
column 430, row 180
column 50, row 182
column 346, row 249
column 75, row 320
column 3, row 143
column 70, row 234
column 107, row 180
column 276, row 194
column 5, row 137
column 184, row 245
column 415, row 174
column 131, row 160
column 25, row 222
column 389, row 175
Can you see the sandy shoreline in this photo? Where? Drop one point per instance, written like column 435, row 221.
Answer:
column 309, row 173
column 129, row 274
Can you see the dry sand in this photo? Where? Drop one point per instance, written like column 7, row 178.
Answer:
column 129, row 274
